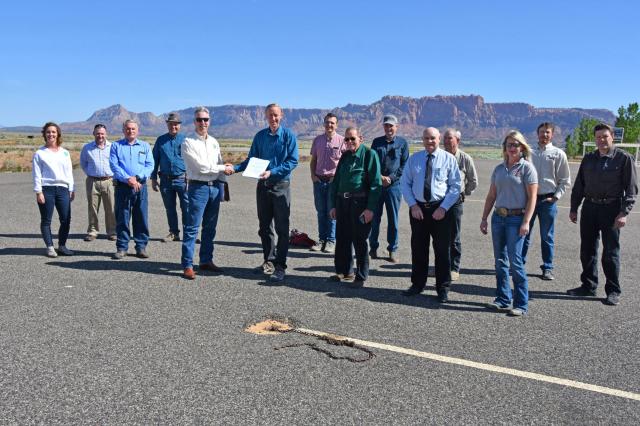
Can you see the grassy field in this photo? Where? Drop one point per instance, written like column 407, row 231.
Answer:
column 16, row 149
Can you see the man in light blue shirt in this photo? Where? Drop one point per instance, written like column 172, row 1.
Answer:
column 94, row 160
column 132, row 163
column 430, row 185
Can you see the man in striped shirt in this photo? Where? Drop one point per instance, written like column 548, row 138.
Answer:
column 94, row 160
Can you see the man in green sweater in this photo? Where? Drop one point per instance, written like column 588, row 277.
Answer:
column 354, row 194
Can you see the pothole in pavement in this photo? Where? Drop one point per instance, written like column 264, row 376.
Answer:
column 274, row 326
column 269, row 326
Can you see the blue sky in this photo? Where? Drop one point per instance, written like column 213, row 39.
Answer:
column 63, row 60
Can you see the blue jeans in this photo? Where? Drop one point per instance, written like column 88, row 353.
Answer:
column 546, row 212
column 131, row 205
column 204, row 206
column 169, row 189
column 390, row 198
column 507, row 250
column 326, row 225
column 55, row 197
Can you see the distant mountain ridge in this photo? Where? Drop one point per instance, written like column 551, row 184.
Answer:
column 476, row 119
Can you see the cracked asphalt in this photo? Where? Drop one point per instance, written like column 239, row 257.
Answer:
column 87, row 339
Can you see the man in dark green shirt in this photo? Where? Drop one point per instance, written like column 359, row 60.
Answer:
column 354, row 194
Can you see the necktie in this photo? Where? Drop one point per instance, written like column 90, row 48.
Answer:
column 427, row 179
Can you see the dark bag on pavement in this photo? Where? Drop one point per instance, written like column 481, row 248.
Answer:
column 297, row 238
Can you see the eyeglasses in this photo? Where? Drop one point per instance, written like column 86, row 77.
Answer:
column 513, row 145
column 202, row 119
column 350, row 139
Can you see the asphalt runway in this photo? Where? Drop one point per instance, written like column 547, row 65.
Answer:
column 87, row 339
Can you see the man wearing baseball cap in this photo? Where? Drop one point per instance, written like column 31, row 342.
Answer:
column 393, row 152
column 171, row 169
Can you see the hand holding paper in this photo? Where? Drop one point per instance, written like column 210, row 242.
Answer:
column 255, row 168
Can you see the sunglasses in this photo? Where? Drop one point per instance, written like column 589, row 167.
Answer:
column 202, row 119
column 350, row 139
column 513, row 145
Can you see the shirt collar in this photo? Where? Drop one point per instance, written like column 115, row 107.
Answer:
column 519, row 163
column 434, row 153
column 277, row 133
column 106, row 144
column 546, row 147
column 608, row 154
column 201, row 138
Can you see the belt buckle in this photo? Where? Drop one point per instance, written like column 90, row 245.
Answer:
column 346, row 195
column 502, row 211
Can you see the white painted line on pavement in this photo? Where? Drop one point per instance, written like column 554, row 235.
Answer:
column 480, row 366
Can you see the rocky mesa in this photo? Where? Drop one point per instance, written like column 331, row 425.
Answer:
column 477, row 120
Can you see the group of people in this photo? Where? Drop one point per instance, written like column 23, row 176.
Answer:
column 352, row 185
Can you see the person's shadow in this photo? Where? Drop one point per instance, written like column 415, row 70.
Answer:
column 379, row 295
column 40, row 251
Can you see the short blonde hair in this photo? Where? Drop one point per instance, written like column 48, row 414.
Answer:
column 519, row 137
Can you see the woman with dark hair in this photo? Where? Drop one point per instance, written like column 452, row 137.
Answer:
column 514, row 185
column 53, row 185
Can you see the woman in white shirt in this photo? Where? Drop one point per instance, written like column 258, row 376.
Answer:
column 53, row 185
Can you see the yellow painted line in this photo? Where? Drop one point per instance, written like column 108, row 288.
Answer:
column 481, row 366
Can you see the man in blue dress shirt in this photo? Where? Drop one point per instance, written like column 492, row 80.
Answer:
column 430, row 186
column 279, row 145
column 168, row 164
column 393, row 152
column 131, row 161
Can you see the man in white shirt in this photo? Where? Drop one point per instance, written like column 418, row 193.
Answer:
column 553, row 181
column 205, row 174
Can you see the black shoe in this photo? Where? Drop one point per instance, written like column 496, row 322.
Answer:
column 581, row 291
column 413, row 290
column 547, row 275
column 356, row 283
column 373, row 254
column 612, row 299
column 443, row 295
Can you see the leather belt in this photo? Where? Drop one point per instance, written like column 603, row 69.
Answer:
column 601, row 201
column 352, row 194
column 171, row 176
column 325, row 178
column 205, row 182
column 504, row 212
column 430, row 204
column 545, row 196
column 101, row 177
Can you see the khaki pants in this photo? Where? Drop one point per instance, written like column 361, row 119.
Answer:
column 100, row 191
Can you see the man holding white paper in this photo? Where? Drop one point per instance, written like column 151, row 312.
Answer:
column 279, row 146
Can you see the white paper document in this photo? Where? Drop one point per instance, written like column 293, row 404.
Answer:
column 255, row 167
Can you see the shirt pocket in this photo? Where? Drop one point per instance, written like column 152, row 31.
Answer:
column 391, row 154
column 335, row 153
column 141, row 157
column 440, row 174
